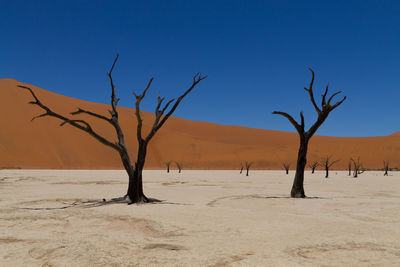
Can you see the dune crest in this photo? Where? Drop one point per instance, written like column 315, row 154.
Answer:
column 43, row 144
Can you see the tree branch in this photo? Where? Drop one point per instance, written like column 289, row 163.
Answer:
column 88, row 129
column 292, row 121
column 338, row 103
column 324, row 96
column 157, row 124
column 138, row 117
column 114, row 100
column 80, row 111
column 302, row 121
column 310, row 91
column 333, row 162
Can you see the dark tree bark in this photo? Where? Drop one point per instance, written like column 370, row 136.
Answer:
column 286, row 166
column 356, row 164
column 168, row 164
column 305, row 136
column 248, row 165
column 313, row 166
column 328, row 163
column 241, row 168
column 179, row 165
column 135, row 186
column 386, row 167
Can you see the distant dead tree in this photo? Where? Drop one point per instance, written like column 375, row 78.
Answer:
column 241, row 167
column 305, row 136
column 168, row 164
column 357, row 165
column 248, row 165
column 313, row 166
column 386, row 167
column 286, row 166
column 327, row 164
column 349, row 167
column 179, row 165
column 135, row 188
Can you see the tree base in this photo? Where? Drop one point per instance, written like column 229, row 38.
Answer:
column 297, row 193
column 141, row 200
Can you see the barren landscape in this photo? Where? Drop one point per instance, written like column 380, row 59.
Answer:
column 206, row 218
column 43, row 144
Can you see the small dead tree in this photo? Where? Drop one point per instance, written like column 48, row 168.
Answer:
column 241, row 167
column 248, row 165
column 286, row 166
column 328, row 162
column 135, row 186
column 386, row 167
column 313, row 165
column 305, row 136
column 357, row 165
column 168, row 164
column 179, row 165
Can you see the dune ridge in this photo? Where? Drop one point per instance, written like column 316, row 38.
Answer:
column 43, row 144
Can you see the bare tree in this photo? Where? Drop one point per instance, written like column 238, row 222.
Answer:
column 179, row 165
column 168, row 164
column 327, row 164
column 386, row 167
column 313, row 165
column 135, row 187
column 305, row 136
column 357, row 165
column 248, row 165
column 286, row 166
column 241, row 167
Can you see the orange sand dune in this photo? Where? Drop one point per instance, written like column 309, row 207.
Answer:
column 43, row 144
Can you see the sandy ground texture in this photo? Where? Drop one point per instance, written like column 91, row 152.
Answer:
column 207, row 218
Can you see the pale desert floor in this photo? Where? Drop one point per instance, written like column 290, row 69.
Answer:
column 208, row 218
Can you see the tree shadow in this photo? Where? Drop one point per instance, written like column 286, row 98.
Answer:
column 288, row 197
column 104, row 202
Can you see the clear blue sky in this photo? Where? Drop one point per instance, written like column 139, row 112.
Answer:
column 255, row 53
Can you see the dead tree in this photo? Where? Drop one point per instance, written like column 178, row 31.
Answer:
column 386, row 167
column 305, row 136
column 241, row 167
column 248, row 165
column 179, row 165
column 286, row 166
column 349, row 167
column 327, row 164
column 135, row 186
column 168, row 164
column 357, row 165
column 313, row 166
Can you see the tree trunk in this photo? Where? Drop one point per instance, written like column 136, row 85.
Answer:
column 297, row 188
column 287, row 171
column 326, row 172
column 312, row 170
column 247, row 172
column 135, row 188
column 386, row 173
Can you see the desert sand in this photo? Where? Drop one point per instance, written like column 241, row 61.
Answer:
column 207, row 218
column 43, row 144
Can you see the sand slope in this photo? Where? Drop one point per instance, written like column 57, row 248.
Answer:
column 209, row 218
column 199, row 145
